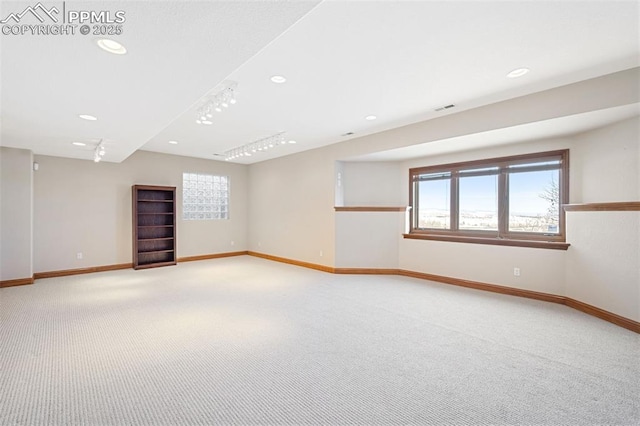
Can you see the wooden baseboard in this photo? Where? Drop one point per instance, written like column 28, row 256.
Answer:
column 627, row 323
column 529, row 294
column 89, row 270
column 292, row 262
column 365, row 271
column 616, row 319
column 13, row 283
column 212, row 256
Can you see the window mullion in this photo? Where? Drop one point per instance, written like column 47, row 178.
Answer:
column 416, row 203
column 455, row 202
column 503, row 203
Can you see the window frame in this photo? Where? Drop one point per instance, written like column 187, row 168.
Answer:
column 502, row 236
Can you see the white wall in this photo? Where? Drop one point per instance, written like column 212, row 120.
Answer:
column 82, row 206
column 372, row 184
column 16, row 226
column 368, row 239
column 339, row 185
column 291, row 208
column 603, row 262
column 542, row 270
column 606, row 164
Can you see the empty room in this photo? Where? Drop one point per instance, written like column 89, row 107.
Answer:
column 320, row 212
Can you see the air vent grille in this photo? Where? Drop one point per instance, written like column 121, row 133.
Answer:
column 445, row 107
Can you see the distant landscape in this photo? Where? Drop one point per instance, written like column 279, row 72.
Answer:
column 488, row 221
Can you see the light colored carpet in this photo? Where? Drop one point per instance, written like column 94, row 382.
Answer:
column 247, row 341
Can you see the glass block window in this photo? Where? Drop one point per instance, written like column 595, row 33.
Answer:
column 205, row 197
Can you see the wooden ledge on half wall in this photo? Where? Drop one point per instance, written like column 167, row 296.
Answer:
column 618, row 206
column 371, row 208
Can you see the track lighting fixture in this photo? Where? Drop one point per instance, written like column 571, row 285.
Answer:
column 99, row 152
column 254, row 147
column 217, row 102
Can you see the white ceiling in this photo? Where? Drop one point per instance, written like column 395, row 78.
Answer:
column 553, row 128
column 344, row 60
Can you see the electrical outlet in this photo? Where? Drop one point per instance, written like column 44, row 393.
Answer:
column 79, row 255
column 320, row 253
column 516, row 272
column 233, row 242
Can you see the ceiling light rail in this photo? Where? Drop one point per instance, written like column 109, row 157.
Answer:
column 99, row 152
column 217, row 102
column 257, row 146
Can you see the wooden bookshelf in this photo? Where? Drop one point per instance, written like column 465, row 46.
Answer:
column 154, row 226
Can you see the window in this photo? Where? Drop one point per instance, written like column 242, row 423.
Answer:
column 205, row 197
column 510, row 198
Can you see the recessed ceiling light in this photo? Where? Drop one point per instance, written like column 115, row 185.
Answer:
column 88, row 117
column 79, row 143
column 173, row 142
column 518, row 72
column 111, row 46
column 370, row 117
column 292, row 142
column 279, row 79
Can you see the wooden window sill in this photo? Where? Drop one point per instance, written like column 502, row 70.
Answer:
column 553, row 245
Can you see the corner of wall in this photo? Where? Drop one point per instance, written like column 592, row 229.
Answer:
column 16, row 214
